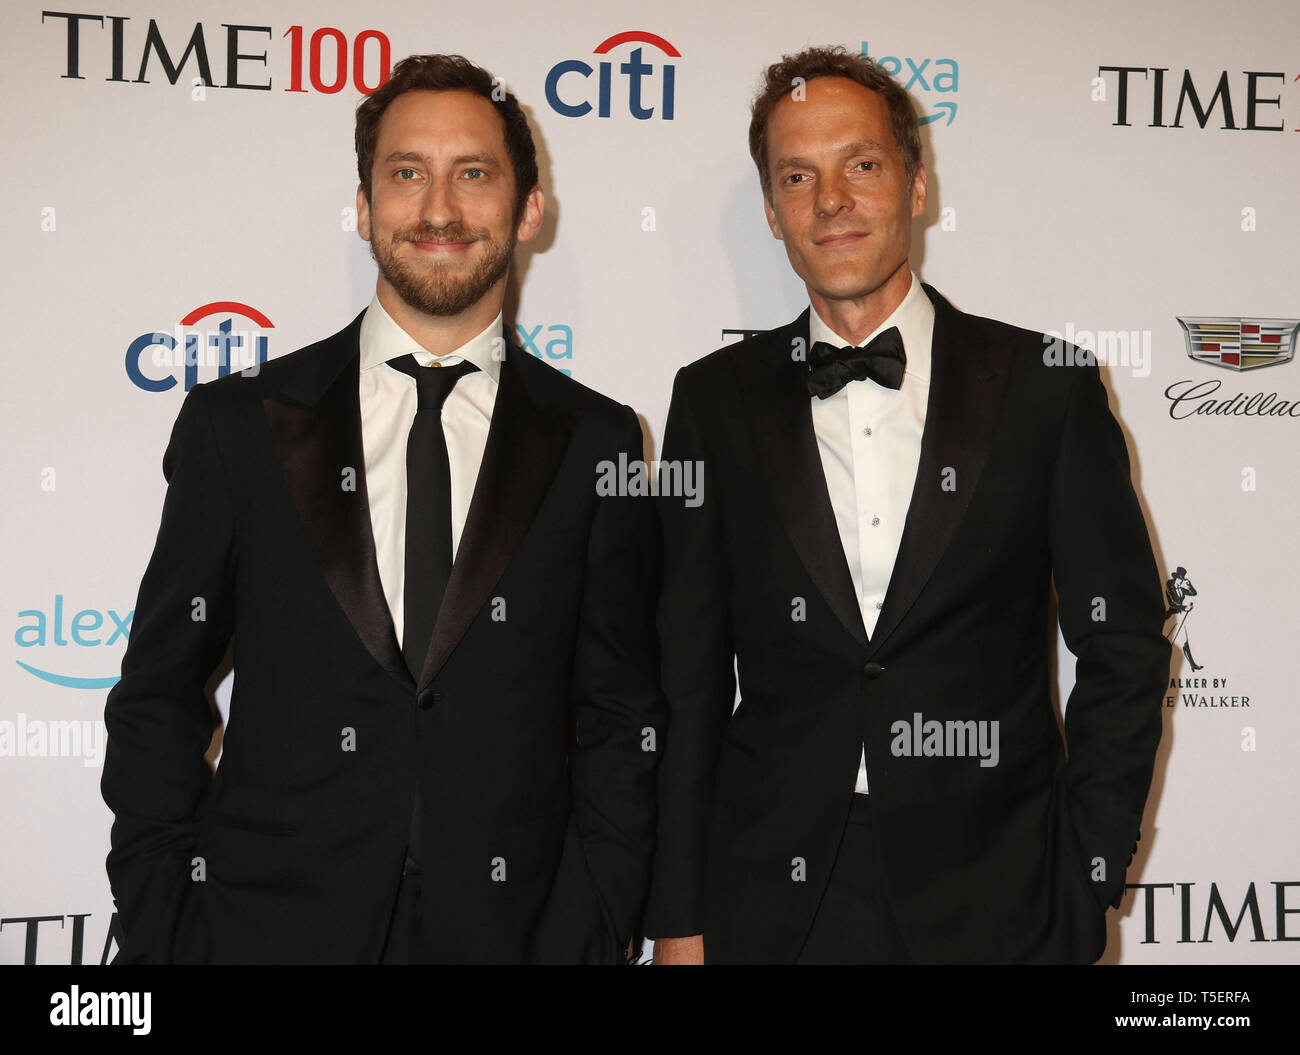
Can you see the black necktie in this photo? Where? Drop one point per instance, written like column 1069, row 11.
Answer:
column 428, row 524
column 428, row 507
column 882, row 361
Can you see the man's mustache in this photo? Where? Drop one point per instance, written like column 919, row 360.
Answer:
column 453, row 232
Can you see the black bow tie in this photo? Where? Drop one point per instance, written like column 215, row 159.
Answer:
column 882, row 360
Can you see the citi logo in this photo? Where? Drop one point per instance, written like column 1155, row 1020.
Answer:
column 637, row 86
column 153, row 360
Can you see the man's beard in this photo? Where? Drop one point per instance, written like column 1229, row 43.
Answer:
column 434, row 288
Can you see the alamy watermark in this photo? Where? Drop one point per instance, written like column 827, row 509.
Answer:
column 639, row 479
column 970, row 738
column 1130, row 349
column 36, row 738
column 75, row 1008
column 225, row 347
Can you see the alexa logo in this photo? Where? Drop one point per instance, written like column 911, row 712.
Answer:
column 59, row 637
column 645, row 88
column 211, row 341
column 929, row 76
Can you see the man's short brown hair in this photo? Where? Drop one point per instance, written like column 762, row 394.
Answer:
column 441, row 73
column 781, row 78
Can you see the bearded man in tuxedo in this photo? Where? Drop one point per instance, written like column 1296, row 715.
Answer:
column 440, row 741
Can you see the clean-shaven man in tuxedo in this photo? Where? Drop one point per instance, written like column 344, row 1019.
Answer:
column 891, row 486
column 426, row 760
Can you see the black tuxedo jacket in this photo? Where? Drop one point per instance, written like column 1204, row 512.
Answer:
column 536, row 835
column 1023, row 478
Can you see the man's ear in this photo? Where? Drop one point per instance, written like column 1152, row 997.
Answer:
column 363, row 214
column 530, row 217
column 770, row 213
column 918, row 190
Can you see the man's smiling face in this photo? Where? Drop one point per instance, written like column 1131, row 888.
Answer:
column 441, row 218
column 840, row 196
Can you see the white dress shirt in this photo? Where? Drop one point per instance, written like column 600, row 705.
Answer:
column 869, row 439
column 388, row 404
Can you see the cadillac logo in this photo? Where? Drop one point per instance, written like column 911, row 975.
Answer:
column 1242, row 343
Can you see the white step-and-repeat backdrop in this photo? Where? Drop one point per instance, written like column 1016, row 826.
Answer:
column 1122, row 174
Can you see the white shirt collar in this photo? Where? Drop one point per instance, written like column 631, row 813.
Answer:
column 914, row 318
column 383, row 339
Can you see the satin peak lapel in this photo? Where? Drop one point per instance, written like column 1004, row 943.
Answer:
column 525, row 447
column 780, row 417
column 968, row 386
column 315, row 420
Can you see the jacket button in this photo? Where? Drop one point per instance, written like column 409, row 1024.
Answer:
column 872, row 669
column 427, row 699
